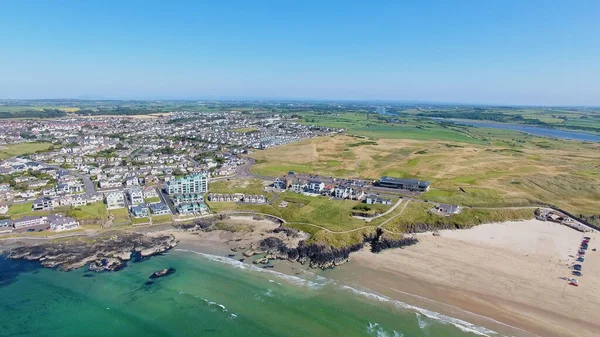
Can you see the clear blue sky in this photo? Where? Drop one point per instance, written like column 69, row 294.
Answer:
column 507, row 52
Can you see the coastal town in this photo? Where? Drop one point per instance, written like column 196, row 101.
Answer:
column 139, row 170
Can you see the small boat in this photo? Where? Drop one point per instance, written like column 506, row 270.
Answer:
column 162, row 272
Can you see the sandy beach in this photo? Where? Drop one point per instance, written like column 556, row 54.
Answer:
column 509, row 272
column 503, row 274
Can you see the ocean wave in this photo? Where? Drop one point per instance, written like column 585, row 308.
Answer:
column 211, row 304
column 237, row 264
column 460, row 324
column 321, row 281
column 377, row 330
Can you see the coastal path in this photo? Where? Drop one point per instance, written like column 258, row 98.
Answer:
column 382, row 214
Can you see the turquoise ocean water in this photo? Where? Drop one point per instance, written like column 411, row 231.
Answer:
column 207, row 296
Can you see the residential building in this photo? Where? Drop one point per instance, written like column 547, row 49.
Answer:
column 135, row 196
column 29, row 221
column 159, row 208
column 6, row 226
column 405, row 184
column 255, row 199
column 225, row 197
column 448, row 209
column 139, row 211
column 197, row 183
column 315, row 186
column 192, row 208
column 342, row 191
column 115, row 200
column 150, row 192
column 187, row 198
column 3, row 209
column 375, row 199
column 43, row 204
column 280, row 183
column 298, row 186
column 59, row 222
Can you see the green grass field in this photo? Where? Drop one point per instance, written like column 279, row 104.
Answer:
column 417, row 216
column 20, row 149
column 162, row 219
column 138, row 221
column 92, row 211
column 152, row 200
column 121, row 216
column 245, row 130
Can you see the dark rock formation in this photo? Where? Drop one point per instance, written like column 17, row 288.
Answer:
column 103, row 253
column 380, row 242
column 162, row 273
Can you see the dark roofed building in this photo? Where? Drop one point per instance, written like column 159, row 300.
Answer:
column 405, row 184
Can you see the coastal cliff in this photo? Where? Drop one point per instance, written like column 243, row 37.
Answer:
column 105, row 253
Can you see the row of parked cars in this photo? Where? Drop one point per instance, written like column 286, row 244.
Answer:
column 577, row 266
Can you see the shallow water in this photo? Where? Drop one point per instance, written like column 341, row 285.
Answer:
column 207, row 296
column 534, row 130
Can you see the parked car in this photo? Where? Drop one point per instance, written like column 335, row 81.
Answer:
column 580, row 259
column 577, row 273
column 577, row 267
column 31, row 230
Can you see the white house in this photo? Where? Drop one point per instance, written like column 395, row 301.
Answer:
column 115, row 200
column 59, row 222
column 135, row 195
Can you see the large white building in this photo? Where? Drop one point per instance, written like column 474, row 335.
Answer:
column 197, row 183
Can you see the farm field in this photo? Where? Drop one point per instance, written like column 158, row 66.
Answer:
column 20, row 149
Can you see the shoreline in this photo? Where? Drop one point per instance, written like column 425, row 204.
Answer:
column 501, row 277
column 512, row 307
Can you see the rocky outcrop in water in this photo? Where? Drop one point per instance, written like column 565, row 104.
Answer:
column 106, row 253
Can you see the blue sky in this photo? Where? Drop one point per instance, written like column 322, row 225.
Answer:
column 496, row 52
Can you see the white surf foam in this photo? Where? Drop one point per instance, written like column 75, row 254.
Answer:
column 322, row 281
column 460, row 324
column 237, row 264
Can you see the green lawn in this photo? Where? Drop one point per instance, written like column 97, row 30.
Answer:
column 162, row 219
column 332, row 214
column 245, row 130
column 121, row 216
column 137, row 221
column 20, row 149
column 152, row 200
column 16, row 209
column 92, row 211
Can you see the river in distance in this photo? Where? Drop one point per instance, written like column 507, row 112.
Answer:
column 533, row 130
column 208, row 295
